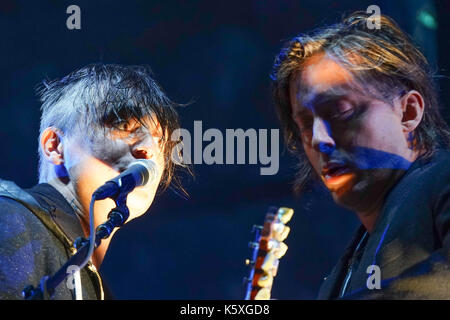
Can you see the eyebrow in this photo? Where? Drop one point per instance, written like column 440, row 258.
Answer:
column 309, row 98
column 306, row 105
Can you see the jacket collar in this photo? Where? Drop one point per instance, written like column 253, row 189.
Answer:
column 58, row 208
column 332, row 284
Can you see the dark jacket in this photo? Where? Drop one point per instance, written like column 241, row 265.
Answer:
column 37, row 230
column 410, row 242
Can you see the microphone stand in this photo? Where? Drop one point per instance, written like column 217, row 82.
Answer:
column 116, row 218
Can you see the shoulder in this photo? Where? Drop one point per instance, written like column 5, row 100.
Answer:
column 435, row 167
column 417, row 209
column 429, row 183
column 16, row 219
column 435, row 175
column 27, row 248
column 16, row 210
column 428, row 177
column 22, row 231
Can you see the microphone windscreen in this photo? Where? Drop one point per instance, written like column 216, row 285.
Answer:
column 149, row 172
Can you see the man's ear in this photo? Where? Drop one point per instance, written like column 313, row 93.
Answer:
column 52, row 146
column 412, row 105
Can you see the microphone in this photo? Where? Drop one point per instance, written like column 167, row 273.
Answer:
column 138, row 173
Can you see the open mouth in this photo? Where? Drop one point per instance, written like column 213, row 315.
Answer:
column 335, row 171
column 336, row 175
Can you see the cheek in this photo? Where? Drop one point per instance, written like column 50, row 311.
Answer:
column 161, row 162
column 313, row 156
column 379, row 131
column 91, row 174
column 110, row 151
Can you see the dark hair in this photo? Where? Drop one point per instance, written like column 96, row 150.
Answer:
column 383, row 59
column 107, row 95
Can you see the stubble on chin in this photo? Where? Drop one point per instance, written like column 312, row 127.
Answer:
column 369, row 191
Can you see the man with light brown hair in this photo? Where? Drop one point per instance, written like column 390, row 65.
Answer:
column 359, row 108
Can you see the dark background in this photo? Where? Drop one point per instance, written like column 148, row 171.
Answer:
column 217, row 54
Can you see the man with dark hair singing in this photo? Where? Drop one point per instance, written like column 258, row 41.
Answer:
column 359, row 109
column 95, row 122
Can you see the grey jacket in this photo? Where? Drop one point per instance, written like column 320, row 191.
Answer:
column 37, row 230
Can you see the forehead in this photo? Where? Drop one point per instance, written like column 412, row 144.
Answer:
column 321, row 78
column 323, row 71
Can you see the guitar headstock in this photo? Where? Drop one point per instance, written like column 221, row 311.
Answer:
column 267, row 248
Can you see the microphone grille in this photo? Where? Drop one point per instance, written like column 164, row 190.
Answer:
column 150, row 173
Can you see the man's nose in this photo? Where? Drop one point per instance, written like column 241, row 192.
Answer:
column 321, row 139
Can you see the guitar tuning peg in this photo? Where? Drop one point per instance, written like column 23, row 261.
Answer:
column 256, row 227
column 263, row 294
column 249, row 262
column 278, row 227
column 281, row 236
column 253, row 244
column 285, row 214
column 269, row 262
column 266, row 280
column 280, row 250
column 274, row 270
column 284, row 233
column 272, row 244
